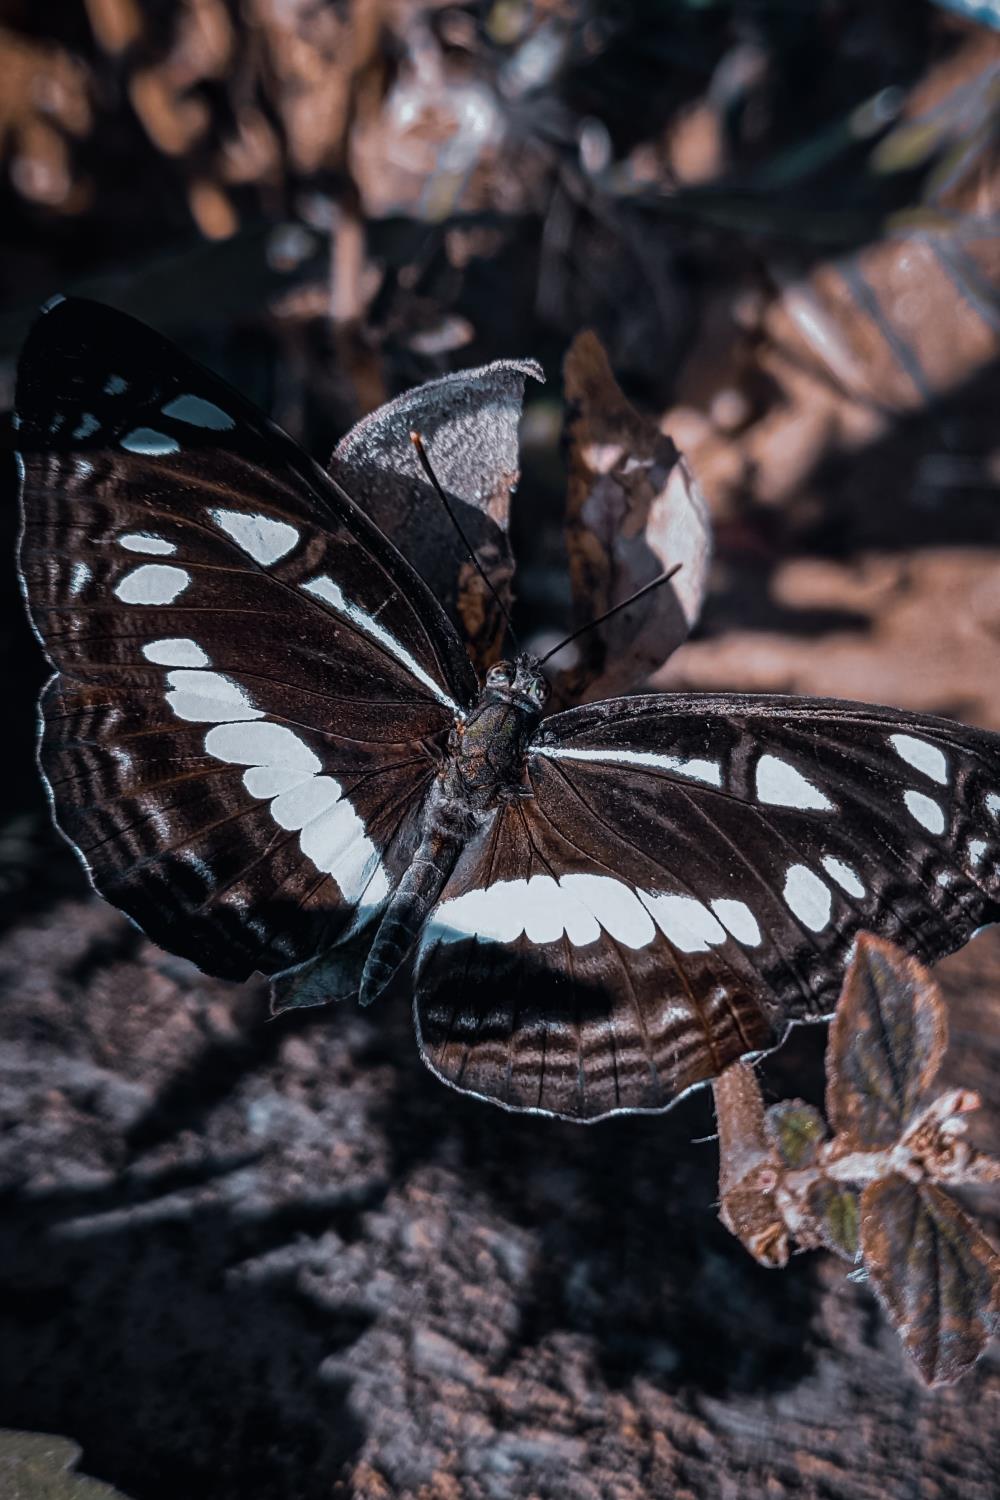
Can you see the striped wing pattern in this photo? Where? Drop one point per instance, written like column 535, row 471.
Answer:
column 252, row 687
column 688, row 877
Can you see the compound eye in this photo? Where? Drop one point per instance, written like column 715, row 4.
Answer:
column 540, row 691
column 500, row 675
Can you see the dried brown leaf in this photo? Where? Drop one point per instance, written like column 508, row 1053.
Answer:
column 935, row 1273
column 469, row 425
column 747, row 1169
column 633, row 509
column 887, row 1040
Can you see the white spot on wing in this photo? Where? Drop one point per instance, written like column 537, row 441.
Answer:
column 115, row 386
column 738, row 919
column 146, row 440
column 579, row 906
column 208, row 698
column 198, row 413
column 79, row 577
column 708, row 771
column 298, row 805
column 331, row 834
column 542, row 907
column 849, row 880
column 495, row 914
column 779, row 784
column 993, row 803
column 551, row 911
column 269, row 781
column 926, row 811
column 261, row 745
column 153, row 583
column 977, row 848
column 87, row 426
column 615, row 906
column 145, row 541
column 175, row 651
column 544, row 911
column 261, row 537
column 807, row 897
column 324, row 588
column 922, row 756
column 684, row 921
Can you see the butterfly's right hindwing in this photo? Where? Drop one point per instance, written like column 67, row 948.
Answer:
column 687, row 878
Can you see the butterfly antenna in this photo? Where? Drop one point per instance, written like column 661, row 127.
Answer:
column 425, row 464
column 647, row 588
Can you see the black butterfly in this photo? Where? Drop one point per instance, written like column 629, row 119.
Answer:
column 266, row 740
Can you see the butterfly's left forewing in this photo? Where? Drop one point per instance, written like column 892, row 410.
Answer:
column 252, row 686
column 687, row 877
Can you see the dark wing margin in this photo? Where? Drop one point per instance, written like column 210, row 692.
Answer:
column 252, row 686
column 687, row 879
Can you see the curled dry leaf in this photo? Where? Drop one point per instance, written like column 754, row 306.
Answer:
column 469, row 425
column 633, row 509
column 747, row 1169
column 935, row 1273
column 887, row 1039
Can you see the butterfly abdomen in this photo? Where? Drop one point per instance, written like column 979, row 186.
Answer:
column 487, row 765
column 448, row 821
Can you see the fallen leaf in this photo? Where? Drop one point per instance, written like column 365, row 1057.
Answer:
column 633, row 509
column 747, row 1169
column 469, row 425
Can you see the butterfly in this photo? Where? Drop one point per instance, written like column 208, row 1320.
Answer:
column 265, row 738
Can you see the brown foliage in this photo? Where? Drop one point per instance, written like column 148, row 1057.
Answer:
column 873, row 1192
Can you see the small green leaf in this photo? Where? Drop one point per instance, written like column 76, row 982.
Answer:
column 836, row 1211
column 797, row 1130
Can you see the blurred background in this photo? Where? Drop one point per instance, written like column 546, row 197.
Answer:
column 280, row 1260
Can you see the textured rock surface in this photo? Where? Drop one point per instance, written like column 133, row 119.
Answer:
column 251, row 1257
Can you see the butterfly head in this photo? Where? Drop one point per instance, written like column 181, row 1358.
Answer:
column 519, row 682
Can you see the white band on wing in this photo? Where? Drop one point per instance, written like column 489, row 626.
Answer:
column 331, row 593
column 582, row 907
column 708, row 771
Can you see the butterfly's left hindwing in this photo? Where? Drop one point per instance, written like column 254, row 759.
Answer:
column 686, row 877
column 253, row 688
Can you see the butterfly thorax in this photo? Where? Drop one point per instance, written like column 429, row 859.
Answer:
column 489, row 747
